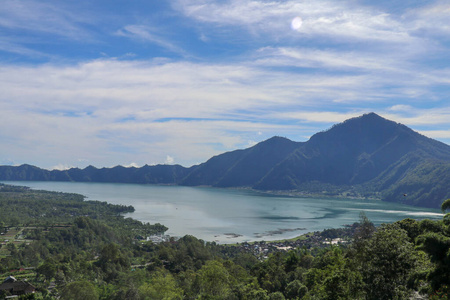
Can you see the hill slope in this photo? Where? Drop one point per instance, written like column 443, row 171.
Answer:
column 364, row 156
column 241, row 168
column 377, row 154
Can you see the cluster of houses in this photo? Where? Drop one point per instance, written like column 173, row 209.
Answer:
column 158, row 238
column 13, row 287
column 262, row 249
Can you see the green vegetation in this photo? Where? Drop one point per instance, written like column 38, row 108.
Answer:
column 73, row 249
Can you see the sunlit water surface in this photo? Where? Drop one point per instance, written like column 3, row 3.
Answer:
column 230, row 215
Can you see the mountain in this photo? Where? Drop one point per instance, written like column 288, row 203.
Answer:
column 241, row 168
column 376, row 155
column 367, row 156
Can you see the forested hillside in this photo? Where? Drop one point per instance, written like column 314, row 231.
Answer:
column 367, row 156
column 70, row 249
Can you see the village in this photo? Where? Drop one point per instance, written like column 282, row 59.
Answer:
column 262, row 249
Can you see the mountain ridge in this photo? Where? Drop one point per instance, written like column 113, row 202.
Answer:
column 366, row 156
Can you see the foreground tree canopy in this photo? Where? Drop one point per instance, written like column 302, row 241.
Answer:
column 86, row 250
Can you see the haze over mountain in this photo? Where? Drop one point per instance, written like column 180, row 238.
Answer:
column 367, row 156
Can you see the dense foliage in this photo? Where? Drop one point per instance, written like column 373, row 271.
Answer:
column 90, row 256
column 25, row 206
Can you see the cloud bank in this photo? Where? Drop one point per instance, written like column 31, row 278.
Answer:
column 182, row 81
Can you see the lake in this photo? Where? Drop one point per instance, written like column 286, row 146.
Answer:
column 233, row 215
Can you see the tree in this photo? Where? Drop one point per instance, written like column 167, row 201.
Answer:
column 343, row 283
column 388, row 260
column 277, row 296
column 162, row 286
column 79, row 290
column 295, row 289
column 257, row 294
column 214, row 279
column 47, row 269
column 411, row 226
column 365, row 228
column 12, row 249
column 334, row 277
column 445, row 205
column 363, row 232
column 437, row 246
column 435, row 240
column 112, row 254
column 292, row 261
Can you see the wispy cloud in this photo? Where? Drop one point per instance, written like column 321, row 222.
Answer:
column 432, row 18
column 13, row 46
column 437, row 134
column 419, row 116
column 329, row 59
column 334, row 19
column 27, row 28
column 83, row 107
column 321, row 116
column 44, row 17
column 147, row 34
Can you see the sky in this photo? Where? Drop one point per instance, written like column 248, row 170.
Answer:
column 135, row 82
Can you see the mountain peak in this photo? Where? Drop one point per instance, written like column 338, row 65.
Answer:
column 367, row 127
column 369, row 118
column 371, row 115
column 275, row 140
column 90, row 168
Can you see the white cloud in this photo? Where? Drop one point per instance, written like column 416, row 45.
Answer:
column 145, row 33
column 44, row 17
column 436, row 134
column 431, row 17
column 320, row 116
column 131, row 165
column 341, row 60
column 61, row 167
column 334, row 19
column 251, row 143
column 13, row 46
column 169, row 160
column 404, row 114
column 422, row 117
column 112, row 112
column 401, row 108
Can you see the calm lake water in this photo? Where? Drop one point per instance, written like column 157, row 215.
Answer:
column 229, row 216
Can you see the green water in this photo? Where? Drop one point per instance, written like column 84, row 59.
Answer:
column 229, row 216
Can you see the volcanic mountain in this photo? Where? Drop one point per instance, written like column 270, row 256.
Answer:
column 367, row 156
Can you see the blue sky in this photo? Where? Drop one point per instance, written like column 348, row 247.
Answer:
column 130, row 83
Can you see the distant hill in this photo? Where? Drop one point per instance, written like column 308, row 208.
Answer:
column 367, row 156
column 159, row 174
